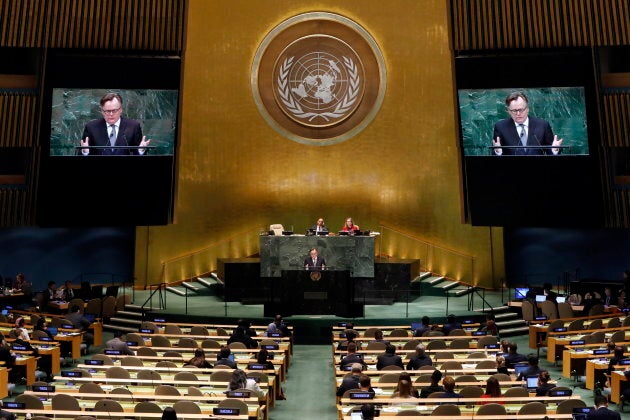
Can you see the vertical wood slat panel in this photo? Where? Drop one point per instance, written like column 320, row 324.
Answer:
column 18, row 120
column 480, row 24
column 156, row 25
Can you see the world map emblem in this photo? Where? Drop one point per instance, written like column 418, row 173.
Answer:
column 318, row 78
column 319, row 88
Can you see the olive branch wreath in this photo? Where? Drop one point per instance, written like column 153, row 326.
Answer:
column 296, row 109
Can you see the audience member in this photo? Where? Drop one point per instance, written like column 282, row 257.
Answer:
column 8, row 359
column 350, row 381
column 543, row 384
column 435, row 386
column 532, row 369
column 278, row 327
column 617, row 356
column 405, row 388
column 501, row 368
column 118, row 344
column 365, row 384
column 608, row 299
column 169, row 414
column 41, row 325
column 513, row 357
column 350, row 336
column 368, row 412
column 493, row 390
column 449, row 388
column 389, row 358
column 351, row 357
column 241, row 381
column 602, row 412
column 451, row 324
column 65, row 292
column 425, row 327
column 243, row 333
column 262, row 358
column 199, row 360
column 419, row 359
column 378, row 337
column 20, row 332
column 224, row 358
column 80, row 323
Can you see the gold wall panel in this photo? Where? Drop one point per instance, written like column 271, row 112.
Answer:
column 236, row 175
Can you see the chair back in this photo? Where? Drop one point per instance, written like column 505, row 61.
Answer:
column 117, row 372
column 65, row 402
column 533, row 407
column 491, row 409
column 565, row 310
column 460, row 343
column 471, row 391
column 399, row 332
column 172, row 329
column 527, row 309
column 446, row 410
column 457, row 332
column 149, row 375
column 567, row 406
column 277, row 229
column 108, row 406
column 549, row 309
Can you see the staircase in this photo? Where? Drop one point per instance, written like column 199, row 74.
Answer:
column 434, row 285
column 202, row 285
column 127, row 320
column 508, row 321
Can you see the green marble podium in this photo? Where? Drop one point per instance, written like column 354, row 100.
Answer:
column 352, row 253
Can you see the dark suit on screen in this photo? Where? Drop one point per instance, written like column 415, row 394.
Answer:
column 539, row 133
column 129, row 134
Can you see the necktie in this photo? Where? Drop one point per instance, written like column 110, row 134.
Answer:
column 523, row 135
column 112, row 135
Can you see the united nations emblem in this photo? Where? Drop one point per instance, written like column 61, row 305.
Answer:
column 318, row 78
column 316, row 275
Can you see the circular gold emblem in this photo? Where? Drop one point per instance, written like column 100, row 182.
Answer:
column 316, row 275
column 318, row 78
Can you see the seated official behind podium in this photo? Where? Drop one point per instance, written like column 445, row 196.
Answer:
column 314, row 261
column 112, row 130
column 318, row 227
column 522, row 130
column 350, row 227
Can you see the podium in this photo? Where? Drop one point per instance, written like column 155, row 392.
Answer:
column 313, row 292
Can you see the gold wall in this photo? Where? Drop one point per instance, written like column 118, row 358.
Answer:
column 236, row 175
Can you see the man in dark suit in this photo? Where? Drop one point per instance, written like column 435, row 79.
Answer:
column 112, row 130
column 602, row 412
column 117, row 344
column 351, row 357
column 319, row 226
column 314, row 261
column 522, row 130
column 389, row 358
column 350, row 381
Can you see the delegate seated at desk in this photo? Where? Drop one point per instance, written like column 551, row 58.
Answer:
column 314, row 261
column 319, row 226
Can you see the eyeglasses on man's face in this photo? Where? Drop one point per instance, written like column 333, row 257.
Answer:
column 517, row 111
column 110, row 111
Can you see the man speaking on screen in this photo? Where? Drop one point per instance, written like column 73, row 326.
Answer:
column 113, row 130
column 522, row 130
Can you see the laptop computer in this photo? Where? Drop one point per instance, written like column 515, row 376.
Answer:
column 53, row 330
column 531, row 383
column 541, row 298
column 561, row 299
column 581, row 413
